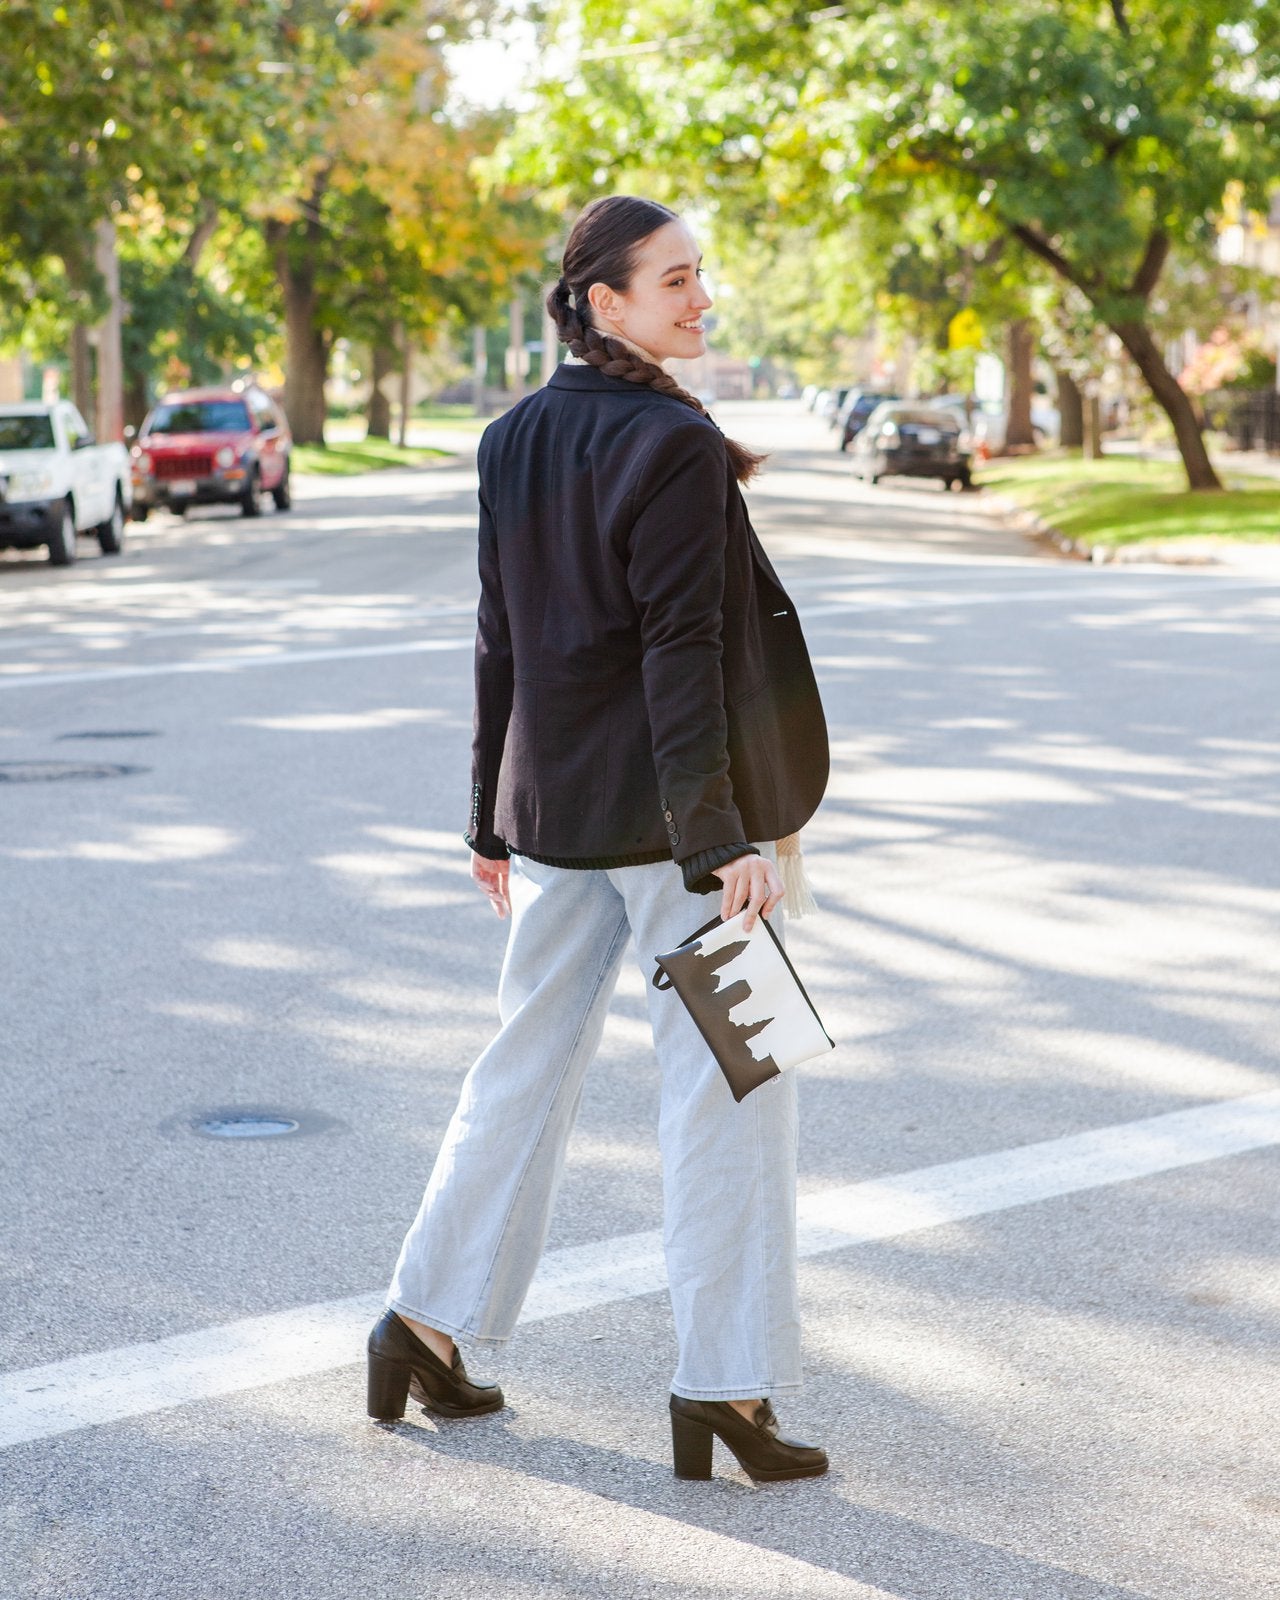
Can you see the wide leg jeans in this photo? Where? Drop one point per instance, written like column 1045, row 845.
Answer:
column 728, row 1169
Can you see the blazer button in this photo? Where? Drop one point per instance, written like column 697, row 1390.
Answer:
column 668, row 816
column 675, row 837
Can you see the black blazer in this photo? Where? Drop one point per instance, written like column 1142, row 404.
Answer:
column 642, row 683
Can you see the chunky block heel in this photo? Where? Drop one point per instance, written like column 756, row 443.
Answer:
column 762, row 1452
column 691, row 1446
column 388, row 1388
column 400, row 1365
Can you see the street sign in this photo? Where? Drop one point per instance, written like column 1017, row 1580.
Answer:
column 965, row 331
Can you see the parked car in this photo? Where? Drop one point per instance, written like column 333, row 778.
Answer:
column 830, row 407
column 809, row 395
column 972, row 417
column 906, row 439
column 208, row 445
column 57, row 482
column 985, row 422
column 858, row 406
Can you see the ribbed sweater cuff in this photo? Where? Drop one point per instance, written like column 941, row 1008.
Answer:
column 699, row 870
column 492, row 850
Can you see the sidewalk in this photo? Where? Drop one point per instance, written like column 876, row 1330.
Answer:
column 1255, row 463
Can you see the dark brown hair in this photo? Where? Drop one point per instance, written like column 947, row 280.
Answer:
column 602, row 248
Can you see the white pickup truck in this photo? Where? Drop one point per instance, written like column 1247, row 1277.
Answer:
column 55, row 482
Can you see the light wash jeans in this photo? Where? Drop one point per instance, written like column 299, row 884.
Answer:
column 728, row 1170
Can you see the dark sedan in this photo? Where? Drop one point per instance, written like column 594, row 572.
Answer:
column 911, row 441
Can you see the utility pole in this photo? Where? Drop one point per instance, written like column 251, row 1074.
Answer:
column 515, row 347
column 110, row 410
column 550, row 346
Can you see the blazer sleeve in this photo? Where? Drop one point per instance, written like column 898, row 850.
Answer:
column 676, row 574
column 494, row 693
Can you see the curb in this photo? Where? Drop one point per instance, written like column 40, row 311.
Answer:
column 1029, row 522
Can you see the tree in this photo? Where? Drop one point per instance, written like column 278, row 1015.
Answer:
column 112, row 119
column 181, row 327
column 1094, row 135
column 384, row 221
column 324, row 123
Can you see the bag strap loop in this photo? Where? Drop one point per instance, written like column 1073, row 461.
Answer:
column 661, row 979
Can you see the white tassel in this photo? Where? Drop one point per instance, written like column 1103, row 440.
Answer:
column 798, row 901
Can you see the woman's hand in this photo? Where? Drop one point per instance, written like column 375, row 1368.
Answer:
column 493, row 878
column 750, row 881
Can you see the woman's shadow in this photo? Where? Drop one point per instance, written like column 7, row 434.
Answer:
column 815, row 1521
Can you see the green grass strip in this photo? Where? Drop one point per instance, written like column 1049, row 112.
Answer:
column 1122, row 500
column 347, row 456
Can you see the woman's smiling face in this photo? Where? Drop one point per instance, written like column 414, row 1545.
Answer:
column 661, row 309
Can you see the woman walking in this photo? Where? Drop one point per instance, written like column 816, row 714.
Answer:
column 647, row 726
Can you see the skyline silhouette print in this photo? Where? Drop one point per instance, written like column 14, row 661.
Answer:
column 747, row 1002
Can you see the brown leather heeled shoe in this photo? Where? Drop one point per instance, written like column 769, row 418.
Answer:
column 400, row 1365
column 763, row 1454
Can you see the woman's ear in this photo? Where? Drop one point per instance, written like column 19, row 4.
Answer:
column 604, row 301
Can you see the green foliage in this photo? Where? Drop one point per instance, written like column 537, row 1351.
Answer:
column 787, row 297
column 380, row 206
column 354, row 456
column 1091, row 137
column 958, row 154
column 117, row 111
column 320, row 132
column 179, row 328
column 1121, row 501
column 1092, row 125
column 1257, row 371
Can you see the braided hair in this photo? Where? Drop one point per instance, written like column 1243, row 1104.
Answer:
column 602, row 248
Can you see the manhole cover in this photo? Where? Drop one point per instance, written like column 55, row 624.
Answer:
column 111, row 733
column 245, row 1125
column 248, row 1122
column 58, row 771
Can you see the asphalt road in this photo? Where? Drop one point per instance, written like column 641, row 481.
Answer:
column 1039, row 1173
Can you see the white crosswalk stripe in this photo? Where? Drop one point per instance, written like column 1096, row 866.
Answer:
column 134, row 1380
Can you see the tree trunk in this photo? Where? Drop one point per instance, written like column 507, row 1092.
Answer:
column 306, row 362
column 295, row 253
column 383, row 365
column 82, row 371
column 1137, row 340
column 406, row 385
column 137, row 398
column 109, row 426
column 1093, row 449
column 479, row 369
column 1070, row 411
column 1018, row 433
column 306, row 348
column 203, row 231
column 1173, row 400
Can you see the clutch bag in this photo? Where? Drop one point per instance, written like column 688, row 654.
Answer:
column 744, row 995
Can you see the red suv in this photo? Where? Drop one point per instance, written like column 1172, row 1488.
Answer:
column 206, row 445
